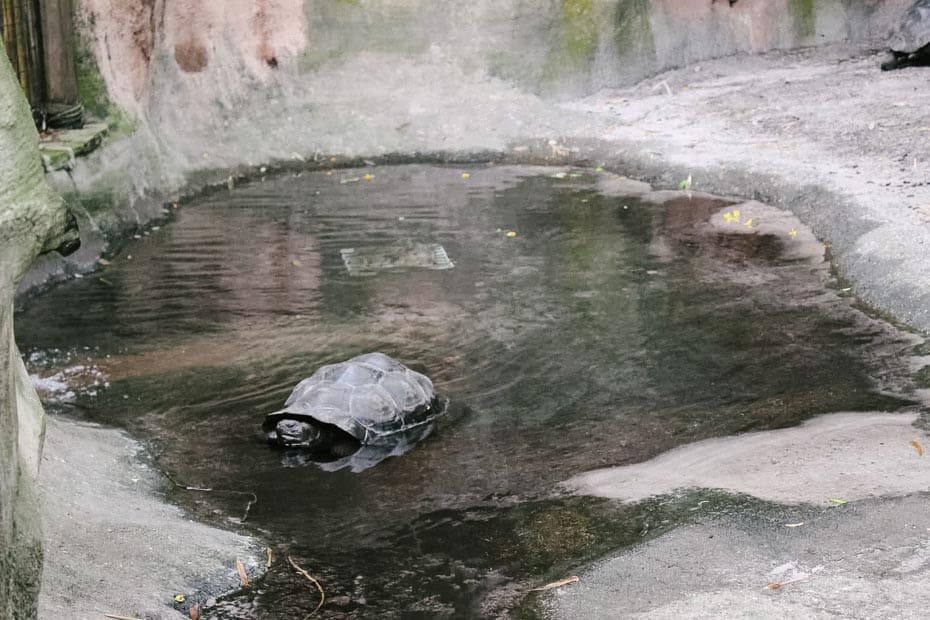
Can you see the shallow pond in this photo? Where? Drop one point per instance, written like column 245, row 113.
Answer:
column 569, row 325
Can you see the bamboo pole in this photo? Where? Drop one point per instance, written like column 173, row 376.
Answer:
column 23, row 45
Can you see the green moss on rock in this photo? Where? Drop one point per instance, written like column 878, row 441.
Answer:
column 922, row 377
column 580, row 27
column 805, row 18
column 633, row 30
column 343, row 28
column 92, row 89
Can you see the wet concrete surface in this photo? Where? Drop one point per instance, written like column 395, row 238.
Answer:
column 605, row 330
column 822, row 133
column 827, row 136
column 848, row 456
column 859, row 560
column 112, row 545
column 843, row 146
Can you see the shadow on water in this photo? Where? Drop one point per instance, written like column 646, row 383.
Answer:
column 604, row 331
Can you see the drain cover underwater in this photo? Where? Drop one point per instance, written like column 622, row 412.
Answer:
column 371, row 260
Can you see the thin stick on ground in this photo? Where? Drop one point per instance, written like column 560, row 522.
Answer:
column 243, row 576
column 252, row 496
column 115, row 617
column 315, row 582
column 556, row 584
column 781, row 584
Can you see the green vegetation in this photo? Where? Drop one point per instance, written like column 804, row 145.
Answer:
column 922, row 377
column 633, row 32
column 805, row 17
column 92, row 91
column 580, row 28
column 345, row 27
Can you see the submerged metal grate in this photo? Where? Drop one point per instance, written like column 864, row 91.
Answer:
column 371, row 260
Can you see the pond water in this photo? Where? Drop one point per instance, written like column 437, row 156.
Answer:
column 569, row 327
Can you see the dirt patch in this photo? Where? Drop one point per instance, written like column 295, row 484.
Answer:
column 191, row 56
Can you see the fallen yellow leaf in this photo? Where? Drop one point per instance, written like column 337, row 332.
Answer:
column 793, row 232
column 465, row 175
column 179, row 598
column 511, row 233
column 749, row 223
column 920, row 451
column 732, row 216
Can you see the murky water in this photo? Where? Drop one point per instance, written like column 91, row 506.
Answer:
column 604, row 331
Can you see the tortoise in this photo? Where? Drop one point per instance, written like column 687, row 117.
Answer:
column 371, row 399
column 910, row 43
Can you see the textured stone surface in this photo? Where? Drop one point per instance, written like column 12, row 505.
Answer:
column 134, row 552
column 32, row 220
column 59, row 149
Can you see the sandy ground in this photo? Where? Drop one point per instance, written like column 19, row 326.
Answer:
column 112, row 545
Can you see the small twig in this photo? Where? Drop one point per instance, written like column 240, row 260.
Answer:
column 243, row 577
column 668, row 90
column 186, row 487
column 268, row 553
column 556, row 584
column 115, row 617
column 779, row 584
column 315, row 582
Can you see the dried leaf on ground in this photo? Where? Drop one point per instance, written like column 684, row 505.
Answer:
column 920, row 450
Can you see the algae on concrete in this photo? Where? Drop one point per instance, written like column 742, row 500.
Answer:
column 633, row 35
column 92, row 88
column 341, row 29
column 578, row 30
column 805, row 17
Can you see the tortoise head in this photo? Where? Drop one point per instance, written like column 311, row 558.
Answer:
column 295, row 433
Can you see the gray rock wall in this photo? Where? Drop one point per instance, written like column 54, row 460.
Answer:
column 202, row 90
column 32, row 220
